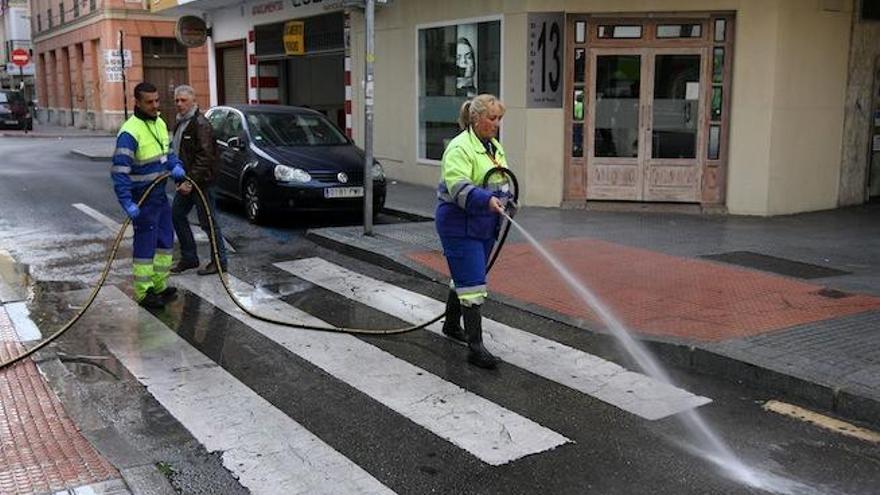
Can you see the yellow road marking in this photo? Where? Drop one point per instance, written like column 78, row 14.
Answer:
column 822, row 421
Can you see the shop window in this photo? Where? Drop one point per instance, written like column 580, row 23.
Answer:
column 620, row 32
column 92, row 5
column 49, row 17
column 61, row 12
column 455, row 62
column 680, row 31
column 76, row 8
column 716, row 102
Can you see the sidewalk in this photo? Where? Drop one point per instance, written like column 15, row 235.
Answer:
column 55, row 131
column 789, row 304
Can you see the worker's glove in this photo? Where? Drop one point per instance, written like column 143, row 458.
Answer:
column 132, row 211
column 177, row 173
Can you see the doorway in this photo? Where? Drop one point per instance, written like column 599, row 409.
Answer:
column 874, row 157
column 646, row 109
column 165, row 65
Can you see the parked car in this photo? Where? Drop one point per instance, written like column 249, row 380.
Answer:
column 278, row 158
column 15, row 111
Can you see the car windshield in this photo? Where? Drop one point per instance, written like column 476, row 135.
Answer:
column 293, row 129
column 10, row 97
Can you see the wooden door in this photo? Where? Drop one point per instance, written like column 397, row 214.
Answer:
column 674, row 124
column 165, row 66
column 615, row 123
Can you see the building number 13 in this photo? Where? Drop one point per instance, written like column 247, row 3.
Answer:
column 544, row 40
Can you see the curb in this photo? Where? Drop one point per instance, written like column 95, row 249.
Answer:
column 32, row 135
column 90, row 156
column 841, row 402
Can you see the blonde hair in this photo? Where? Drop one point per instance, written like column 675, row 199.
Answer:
column 476, row 107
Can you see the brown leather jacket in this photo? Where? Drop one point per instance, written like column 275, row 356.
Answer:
column 198, row 152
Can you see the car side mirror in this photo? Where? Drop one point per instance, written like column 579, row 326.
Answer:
column 234, row 142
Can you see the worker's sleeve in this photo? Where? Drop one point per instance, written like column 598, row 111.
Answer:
column 120, row 171
column 457, row 171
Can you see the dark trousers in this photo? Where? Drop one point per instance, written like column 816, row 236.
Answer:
column 183, row 204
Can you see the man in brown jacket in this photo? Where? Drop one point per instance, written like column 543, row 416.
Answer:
column 194, row 143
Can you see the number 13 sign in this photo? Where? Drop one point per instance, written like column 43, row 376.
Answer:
column 546, row 43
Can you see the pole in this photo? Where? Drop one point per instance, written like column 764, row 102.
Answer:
column 122, row 65
column 24, row 94
column 368, row 120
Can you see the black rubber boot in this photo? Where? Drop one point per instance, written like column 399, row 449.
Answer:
column 473, row 325
column 452, row 324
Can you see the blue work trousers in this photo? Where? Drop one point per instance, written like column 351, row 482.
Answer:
column 152, row 228
column 467, row 258
column 183, row 204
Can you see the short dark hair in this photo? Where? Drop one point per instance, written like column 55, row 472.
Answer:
column 142, row 88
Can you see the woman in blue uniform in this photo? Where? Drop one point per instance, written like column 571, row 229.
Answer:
column 468, row 218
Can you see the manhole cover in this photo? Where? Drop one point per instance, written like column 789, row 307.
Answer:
column 773, row 264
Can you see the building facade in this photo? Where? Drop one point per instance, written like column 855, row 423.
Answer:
column 90, row 54
column 759, row 107
column 15, row 33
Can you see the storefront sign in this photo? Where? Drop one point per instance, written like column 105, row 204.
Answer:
column 113, row 65
column 294, row 43
column 267, row 8
column 191, row 31
column 545, row 60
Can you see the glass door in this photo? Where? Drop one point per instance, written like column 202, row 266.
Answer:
column 674, row 126
column 616, row 119
column 646, row 124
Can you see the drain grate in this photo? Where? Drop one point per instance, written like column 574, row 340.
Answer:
column 773, row 264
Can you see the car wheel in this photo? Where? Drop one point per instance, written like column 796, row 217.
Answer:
column 253, row 202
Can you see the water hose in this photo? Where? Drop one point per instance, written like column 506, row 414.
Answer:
column 223, row 279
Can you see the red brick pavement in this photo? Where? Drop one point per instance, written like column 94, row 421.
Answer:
column 659, row 294
column 41, row 449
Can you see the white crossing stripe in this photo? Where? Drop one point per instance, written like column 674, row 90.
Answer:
column 592, row 375
column 490, row 432
column 25, row 328
column 108, row 222
column 267, row 450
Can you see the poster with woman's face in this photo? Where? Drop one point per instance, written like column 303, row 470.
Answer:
column 466, row 61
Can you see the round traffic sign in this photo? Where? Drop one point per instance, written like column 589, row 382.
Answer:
column 20, row 57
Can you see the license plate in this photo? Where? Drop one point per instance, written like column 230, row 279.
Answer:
column 344, row 192
column 10, row 122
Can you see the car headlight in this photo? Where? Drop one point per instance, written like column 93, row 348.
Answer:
column 378, row 171
column 283, row 173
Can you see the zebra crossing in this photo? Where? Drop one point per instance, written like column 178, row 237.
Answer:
column 270, row 452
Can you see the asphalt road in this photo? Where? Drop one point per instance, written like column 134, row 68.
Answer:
column 606, row 449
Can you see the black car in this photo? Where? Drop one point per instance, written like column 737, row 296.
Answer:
column 279, row 158
column 14, row 111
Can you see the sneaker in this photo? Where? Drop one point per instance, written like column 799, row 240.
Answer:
column 169, row 294
column 152, row 300
column 210, row 269
column 183, row 266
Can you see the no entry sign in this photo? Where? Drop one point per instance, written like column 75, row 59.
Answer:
column 20, row 57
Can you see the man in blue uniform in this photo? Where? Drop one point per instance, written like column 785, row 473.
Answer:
column 142, row 154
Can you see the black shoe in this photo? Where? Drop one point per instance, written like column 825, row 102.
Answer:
column 210, row 269
column 451, row 326
column 183, row 266
column 473, row 324
column 152, row 300
column 169, row 294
